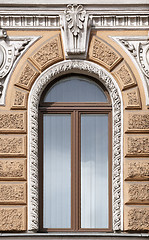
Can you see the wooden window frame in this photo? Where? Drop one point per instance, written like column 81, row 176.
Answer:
column 75, row 109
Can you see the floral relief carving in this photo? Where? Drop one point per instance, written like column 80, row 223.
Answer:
column 125, row 76
column 138, row 146
column 138, row 170
column 12, row 122
column 10, row 169
column 27, row 76
column 12, row 193
column 12, row 219
column 133, row 99
column 138, row 193
column 75, row 16
column 104, row 54
column 12, row 146
column 49, row 53
column 138, row 219
column 138, row 121
column 19, row 98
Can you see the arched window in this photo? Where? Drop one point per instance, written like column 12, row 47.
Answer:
column 75, row 151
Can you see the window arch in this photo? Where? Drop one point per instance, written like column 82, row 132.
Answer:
column 101, row 75
column 76, row 155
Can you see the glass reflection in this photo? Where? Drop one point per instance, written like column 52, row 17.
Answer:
column 57, row 171
column 75, row 89
column 94, row 171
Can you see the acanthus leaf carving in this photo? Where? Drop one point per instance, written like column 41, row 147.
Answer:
column 76, row 31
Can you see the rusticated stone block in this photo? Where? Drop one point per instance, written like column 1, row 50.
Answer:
column 102, row 53
column 12, row 219
column 27, row 76
column 49, row 53
column 12, row 122
column 136, row 219
column 137, row 122
column 136, row 169
column 125, row 76
column 12, row 145
column 137, row 193
column 132, row 99
column 12, row 169
column 137, row 145
column 11, row 193
column 19, row 99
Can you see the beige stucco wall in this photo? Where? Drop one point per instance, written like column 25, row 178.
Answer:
column 13, row 125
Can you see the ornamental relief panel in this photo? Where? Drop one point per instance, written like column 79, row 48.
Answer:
column 137, row 218
column 137, row 145
column 11, row 193
column 132, row 99
column 137, row 122
column 124, row 76
column 12, row 218
column 48, row 54
column 27, row 76
column 13, row 169
column 12, row 122
column 12, row 145
column 103, row 53
column 19, row 99
column 136, row 169
column 137, row 193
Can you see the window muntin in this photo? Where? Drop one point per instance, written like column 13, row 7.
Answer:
column 77, row 111
column 75, row 89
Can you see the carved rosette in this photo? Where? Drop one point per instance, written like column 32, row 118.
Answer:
column 36, row 91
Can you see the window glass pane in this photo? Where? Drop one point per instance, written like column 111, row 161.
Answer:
column 57, row 171
column 94, row 171
column 75, row 89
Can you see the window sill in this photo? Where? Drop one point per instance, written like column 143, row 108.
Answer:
column 78, row 234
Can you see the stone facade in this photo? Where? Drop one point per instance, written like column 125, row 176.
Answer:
column 121, row 60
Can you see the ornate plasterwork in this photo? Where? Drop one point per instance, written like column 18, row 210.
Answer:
column 138, row 49
column 39, row 85
column 11, row 49
column 75, row 31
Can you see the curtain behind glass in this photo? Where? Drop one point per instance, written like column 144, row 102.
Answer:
column 57, row 171
column 94, row 171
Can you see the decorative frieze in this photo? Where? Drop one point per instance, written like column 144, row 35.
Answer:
column 27, row 76
column 12, row 218
column 132, row 99
column 137, row 122
column 49, row 53
column 124, row 76
column 137, row 145
column 12, row 146
column 12, row 122
column 13, row 169
column 136, row 169
column 102, row 53
column 137, row 219
column 137, row 193
column 19, row 99
column 12, row 193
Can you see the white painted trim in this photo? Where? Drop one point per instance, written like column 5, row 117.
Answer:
column 91, row 69
column 145, row 83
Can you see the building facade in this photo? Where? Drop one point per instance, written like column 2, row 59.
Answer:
column 44, row 49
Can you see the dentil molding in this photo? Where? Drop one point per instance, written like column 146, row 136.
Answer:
column 39, row 85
